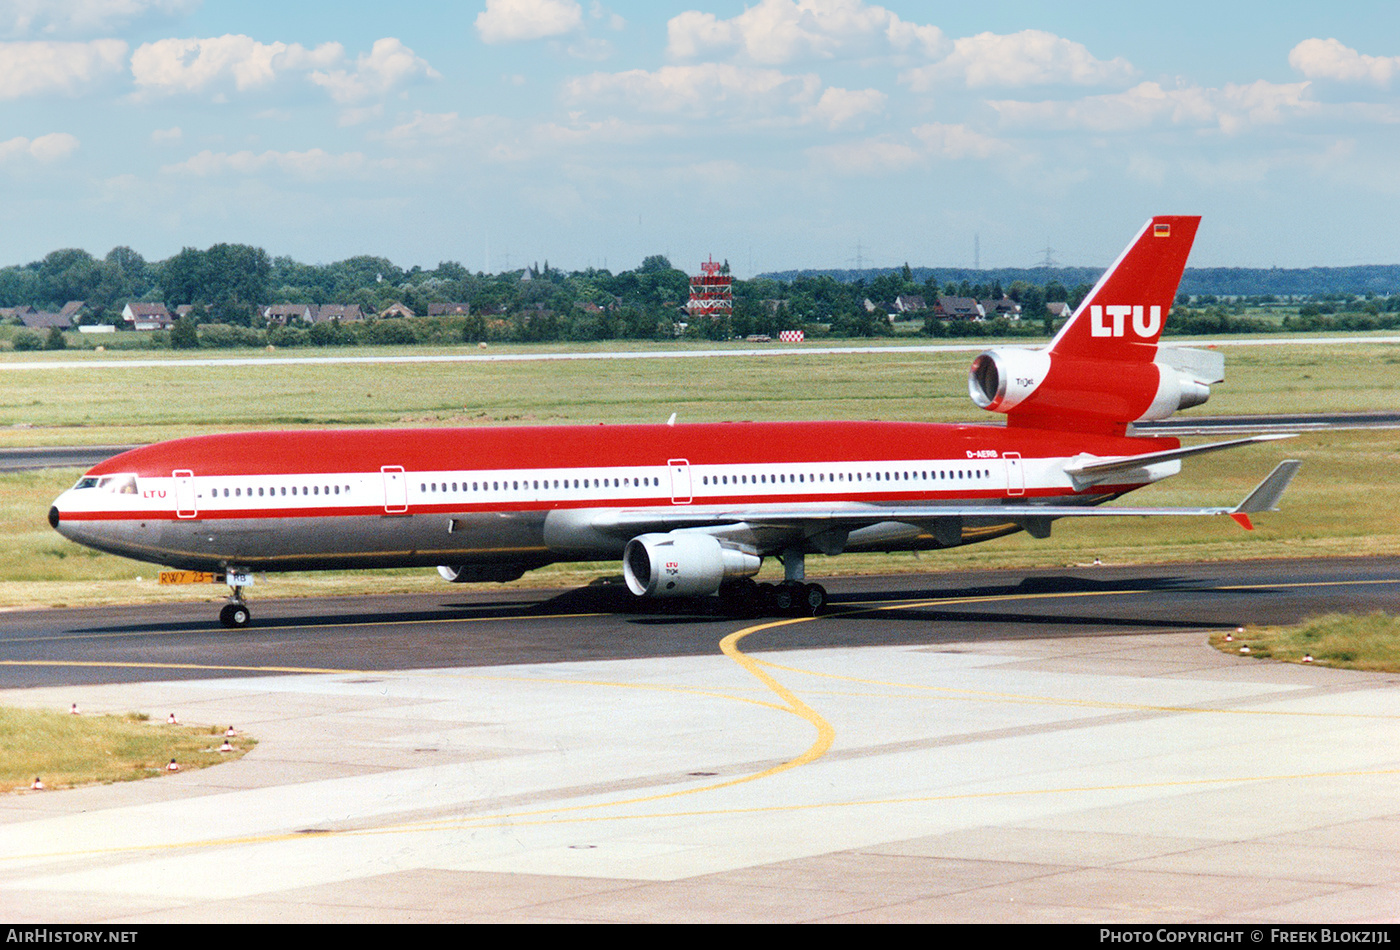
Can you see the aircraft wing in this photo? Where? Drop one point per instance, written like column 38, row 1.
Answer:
column 819, row 517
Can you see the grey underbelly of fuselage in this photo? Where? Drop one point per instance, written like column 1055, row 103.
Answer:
column 362, row 541
column 526, row 539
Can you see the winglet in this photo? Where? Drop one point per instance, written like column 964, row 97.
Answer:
column 1270, row 490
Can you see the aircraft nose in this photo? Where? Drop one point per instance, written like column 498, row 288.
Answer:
column 54, row 517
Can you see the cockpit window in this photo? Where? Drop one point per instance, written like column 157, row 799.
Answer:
column 87, row 481
column 117, row 484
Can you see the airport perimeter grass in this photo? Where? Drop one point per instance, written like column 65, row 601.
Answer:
column 63, row 750
column 1342, row 503
column 1370, row 642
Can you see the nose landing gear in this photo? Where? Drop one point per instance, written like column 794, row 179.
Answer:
column 235, row 613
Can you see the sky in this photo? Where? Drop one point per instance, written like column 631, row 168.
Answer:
column 775, row 134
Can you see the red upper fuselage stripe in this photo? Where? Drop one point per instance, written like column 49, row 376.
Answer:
column 317, row 452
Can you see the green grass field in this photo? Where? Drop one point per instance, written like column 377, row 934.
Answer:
column 1370, row 642
column 1330, row 510
column 65, row 750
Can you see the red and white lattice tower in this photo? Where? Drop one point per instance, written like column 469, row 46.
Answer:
column 711, row 293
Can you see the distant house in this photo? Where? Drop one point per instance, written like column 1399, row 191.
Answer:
column 281, row 314
column 147, row 316
column 1059, row 310
column 397, row 310
column 39, row 320
column 337, row 312
column 1005, row 307
column 959, row 308
column 909, row 303
column 449, row 309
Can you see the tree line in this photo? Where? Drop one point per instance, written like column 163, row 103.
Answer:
column 227, row 285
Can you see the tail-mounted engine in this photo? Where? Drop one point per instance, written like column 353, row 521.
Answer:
column 1037, row 388
column 683, row 564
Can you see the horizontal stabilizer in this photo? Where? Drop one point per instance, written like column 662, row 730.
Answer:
column 1097, row 470
column 1271, row 489
column 1204, row 366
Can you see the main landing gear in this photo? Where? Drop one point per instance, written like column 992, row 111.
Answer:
column 790, row 598
column 794, row 596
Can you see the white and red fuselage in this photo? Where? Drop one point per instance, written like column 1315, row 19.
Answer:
column 689, row 508
column 498, row 501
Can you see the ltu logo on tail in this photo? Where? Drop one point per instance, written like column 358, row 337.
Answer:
column 1144, row 325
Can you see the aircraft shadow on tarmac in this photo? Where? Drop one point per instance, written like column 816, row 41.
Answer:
column 614, row 599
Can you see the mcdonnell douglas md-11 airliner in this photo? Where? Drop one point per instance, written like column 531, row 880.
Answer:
column 690, row 509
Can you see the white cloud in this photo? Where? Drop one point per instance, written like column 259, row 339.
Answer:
column 39, row 68
column 869, row 157
column 46, row 149
column 196, row 65
column 840, row 107
column 387, row 66
column 172, row 134
column 1230, row 108
column 699, row 91
column 1330, row 59
column 775, row 32
column 935, row 141
column 509, row 21
column 596, row 11
column 315, row 164
column 81, row 17
column 428, row 128
column 1027, row 58
column 218, row 65
column 956, row 141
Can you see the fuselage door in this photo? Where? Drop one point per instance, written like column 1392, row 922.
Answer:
column 1015, row 473
column 395, row 489
column 680, row 481
column 185, row 505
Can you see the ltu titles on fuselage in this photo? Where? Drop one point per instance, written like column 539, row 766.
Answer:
column 691, row 510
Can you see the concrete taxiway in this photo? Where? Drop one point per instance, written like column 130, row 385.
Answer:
column 1058, row 746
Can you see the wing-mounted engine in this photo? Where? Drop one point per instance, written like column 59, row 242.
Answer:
column 1036, row 387
column 683, row 564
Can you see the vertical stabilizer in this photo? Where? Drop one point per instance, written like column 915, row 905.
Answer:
column 1100, row 372
column 1122, row 318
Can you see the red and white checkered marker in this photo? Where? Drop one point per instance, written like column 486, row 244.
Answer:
column 791, row 336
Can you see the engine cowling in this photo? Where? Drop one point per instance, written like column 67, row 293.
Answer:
column 683, row 564
column 1001, row 379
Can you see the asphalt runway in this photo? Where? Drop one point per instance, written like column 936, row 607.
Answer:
column 1048, row 745
column 85, row 457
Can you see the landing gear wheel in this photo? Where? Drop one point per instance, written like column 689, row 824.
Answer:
column 766, row 601
column 739, row 597
column 814, row 598
column 235, row 615
column 786, row 596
